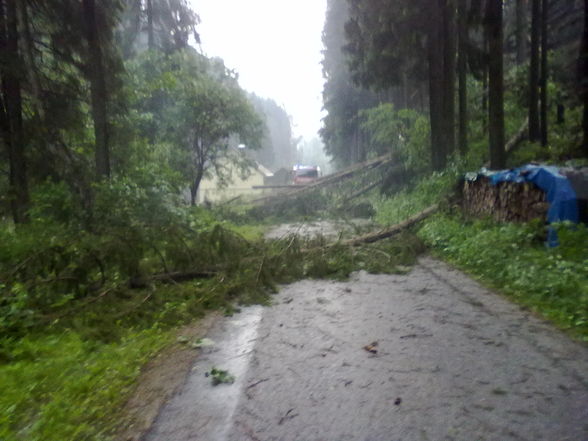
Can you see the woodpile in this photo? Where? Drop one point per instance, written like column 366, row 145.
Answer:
column 505, row 202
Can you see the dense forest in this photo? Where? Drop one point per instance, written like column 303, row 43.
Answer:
column 441, row 80
column 96, row 93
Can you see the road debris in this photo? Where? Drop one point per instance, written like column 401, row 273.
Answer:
column 220, row 376
column 287, row 416
column 372, row 347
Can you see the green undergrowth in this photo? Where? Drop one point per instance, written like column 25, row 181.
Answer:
column 81, row 311
column 514, row 259
column 411, row 200
column 62, row 386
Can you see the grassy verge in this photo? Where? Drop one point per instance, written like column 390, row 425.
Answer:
column 508, row 257
column 67, row 381
column 63, row 387
column 512, row 258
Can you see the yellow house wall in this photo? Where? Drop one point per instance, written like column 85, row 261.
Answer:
column 239, row 187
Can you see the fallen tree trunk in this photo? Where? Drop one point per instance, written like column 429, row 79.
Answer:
column 363, row 191
column 173, row 277
column 395, row 229
column 327, row 180
column 519, row 137
column 516, row 140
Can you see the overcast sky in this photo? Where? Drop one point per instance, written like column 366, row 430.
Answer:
column 275, row 46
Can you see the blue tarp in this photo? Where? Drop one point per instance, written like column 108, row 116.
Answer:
column 563, row 203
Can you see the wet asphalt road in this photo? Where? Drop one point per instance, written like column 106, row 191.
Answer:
column 454, row 362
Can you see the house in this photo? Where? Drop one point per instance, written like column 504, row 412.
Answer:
column 209, row 190
column 282, row 176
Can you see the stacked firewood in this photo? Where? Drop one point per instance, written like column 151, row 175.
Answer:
column 505, row 202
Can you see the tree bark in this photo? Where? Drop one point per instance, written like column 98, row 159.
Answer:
column 28, row 52
column 150, row 36
column 462, row 75
column 534, row 126
column 496, row 84
column 199, row 161
column 485, row 83
column 583, row 79
column 544, row 72
column 12, row 126
column 96, row 74
column 521, row 34
column 195, row 186
column 448, row 89
column 395, row 229
column 438, row 158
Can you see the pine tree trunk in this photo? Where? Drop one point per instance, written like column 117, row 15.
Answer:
column 438, row 160
column 485, row 84
column 534, row 126
column 150, row 37
column 448, row 88
column 583, row 79
column 544, row 72
column 97, row 90
column 12, row 124
column 462, row 75
column 521, row 34
column 496, row 84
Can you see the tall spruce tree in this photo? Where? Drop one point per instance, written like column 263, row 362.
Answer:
column 11, row 109
column 495, row 83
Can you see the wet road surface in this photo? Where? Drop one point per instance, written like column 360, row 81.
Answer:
column 454, row 362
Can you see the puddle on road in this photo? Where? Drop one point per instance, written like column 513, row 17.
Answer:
column 201, row 411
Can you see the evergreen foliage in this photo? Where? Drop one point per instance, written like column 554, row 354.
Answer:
column 403, row 53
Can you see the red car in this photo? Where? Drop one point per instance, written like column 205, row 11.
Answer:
column 305, row 174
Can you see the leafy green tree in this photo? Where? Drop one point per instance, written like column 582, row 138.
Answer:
column 200, row 109
column 403, row 132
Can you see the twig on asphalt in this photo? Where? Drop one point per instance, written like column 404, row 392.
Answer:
column 287, row 416
column 257, row 382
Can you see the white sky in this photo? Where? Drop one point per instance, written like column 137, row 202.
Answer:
column 275, row 46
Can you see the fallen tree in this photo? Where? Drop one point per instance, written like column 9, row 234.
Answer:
column 363, row 190
column 395, row 229
column 514, row 142
column 327, row 180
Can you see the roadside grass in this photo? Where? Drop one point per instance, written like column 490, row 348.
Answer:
column 513, row 259
column 69, row 380
column 508, row 257
column 62, row 387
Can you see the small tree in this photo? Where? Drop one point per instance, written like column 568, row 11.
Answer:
column 208, row 108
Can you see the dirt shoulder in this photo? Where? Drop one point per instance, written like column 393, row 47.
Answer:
column 159, row 380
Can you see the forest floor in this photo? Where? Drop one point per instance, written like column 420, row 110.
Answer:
column 429, row 355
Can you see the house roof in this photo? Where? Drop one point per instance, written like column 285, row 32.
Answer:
column 264, row 171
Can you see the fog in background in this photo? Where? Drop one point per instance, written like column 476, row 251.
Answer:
column 275, row 46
